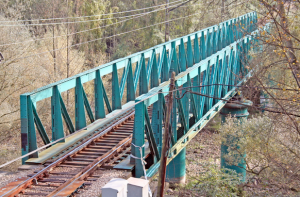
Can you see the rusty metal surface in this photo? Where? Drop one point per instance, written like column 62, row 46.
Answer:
column 68, row 191
column 106, row 146
column 106, row 149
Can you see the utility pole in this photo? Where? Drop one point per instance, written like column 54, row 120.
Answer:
column 68, row 50
column 167, row 23
column 54, row 50
column 166, row 140
column 222, row 10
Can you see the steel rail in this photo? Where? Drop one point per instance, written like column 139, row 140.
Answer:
column 42, row 173
column 89, row 169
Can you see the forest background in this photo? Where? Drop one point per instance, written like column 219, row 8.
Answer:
column 43, row 41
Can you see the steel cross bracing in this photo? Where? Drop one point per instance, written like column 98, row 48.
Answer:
column 227, row 66
column 137, row 78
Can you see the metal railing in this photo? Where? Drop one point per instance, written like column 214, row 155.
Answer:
column 161, row 61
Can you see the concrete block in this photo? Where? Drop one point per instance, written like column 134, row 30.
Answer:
column 137, row 187
column 115, row 188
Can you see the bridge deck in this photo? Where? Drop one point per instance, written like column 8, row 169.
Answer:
column 79, row 136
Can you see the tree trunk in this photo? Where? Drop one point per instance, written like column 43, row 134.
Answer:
column 288, row 43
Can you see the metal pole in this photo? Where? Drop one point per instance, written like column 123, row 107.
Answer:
column 54, row 51
column 165, row 148
column 167, row 23
column 68, row 51
column 222, row 9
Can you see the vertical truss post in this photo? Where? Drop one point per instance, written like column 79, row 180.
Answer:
column 227, row 36
column 182, row 56
column 223, row 37
column 154, row 73
column 234, row 34
column 186, row 104
column 80, row 121
column 130, row 83
column 202, row 46
column 174, row 116
column 204, row 91
column 197, row 88
column 157, row 121
column 164, row 66
column 99, row 101
column 190, row 55
column 218, row 39
column 227, row 73
column 28, row 134
column 197, row 54
column 116, row 98
column 57, row 122
column 138, row 138
column 214, row 38
column 143, row 84
column 208, row 44
column 173, row 62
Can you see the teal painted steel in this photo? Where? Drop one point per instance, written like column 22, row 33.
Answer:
column 173, row 61
column 202, row 46
column 150, row 136
column 154, row 72
column 239, row 111
column 143, row 84
column 106, row 100
column 40, row 126
column 190, row 53
column 32, row 145
column 116, row 98
column 157, row 122
column 213, row 69
column 66, row 115
column 24, row 126
column 57, row 122
column 182, row 56
column 193, row 104
column 161, row 59
column 163, row 66
column 174, row 120
column 138, row 138
column 130, row 84
column 99, row 100
column 196, row 49
column 88, row 107
column 176, row 169
column 79, row 106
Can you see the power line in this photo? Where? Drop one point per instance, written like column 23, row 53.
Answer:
column 107, row 14
column 51, row 37
column 78, row 44
column 75, row 22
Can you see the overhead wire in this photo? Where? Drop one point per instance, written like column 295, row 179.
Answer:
column 78, row 44
column 74, row 33
column 107, row 14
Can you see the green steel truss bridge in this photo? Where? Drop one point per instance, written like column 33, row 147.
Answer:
column 131, row 112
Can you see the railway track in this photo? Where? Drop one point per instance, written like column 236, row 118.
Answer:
column 75, row 170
